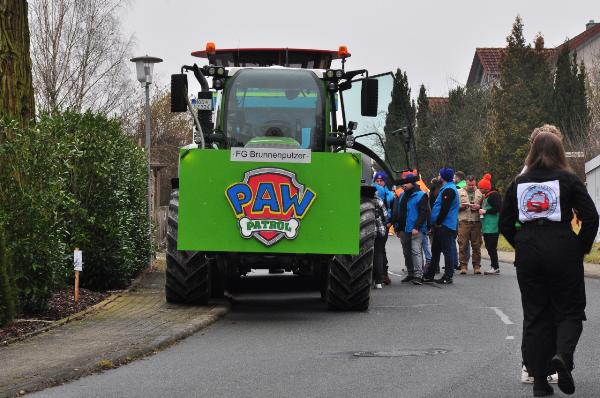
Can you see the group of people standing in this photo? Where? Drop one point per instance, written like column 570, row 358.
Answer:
column 535, row 218
column 454, row 206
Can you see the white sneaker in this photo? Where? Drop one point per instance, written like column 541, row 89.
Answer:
column 492, row 271
column 553, row 378
column 525, row 378
column 377, row 286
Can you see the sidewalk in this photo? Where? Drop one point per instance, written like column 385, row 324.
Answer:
column 590, row 270
column 120, row 329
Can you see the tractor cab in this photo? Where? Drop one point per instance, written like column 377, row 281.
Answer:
column 275, row 103
column 287, row 98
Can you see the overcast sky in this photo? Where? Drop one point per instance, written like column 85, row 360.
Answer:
column 433, row 41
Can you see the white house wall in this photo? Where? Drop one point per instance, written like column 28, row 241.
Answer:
column 589, row 53
column 592, row 176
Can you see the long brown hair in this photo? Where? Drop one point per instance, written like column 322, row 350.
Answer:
column 547, row 152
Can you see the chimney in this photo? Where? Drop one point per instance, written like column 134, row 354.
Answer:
column 590, row 24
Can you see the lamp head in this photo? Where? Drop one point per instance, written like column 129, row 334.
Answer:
column 144, row 67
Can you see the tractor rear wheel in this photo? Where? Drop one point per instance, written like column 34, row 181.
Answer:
column 188, row 275
column 349, row 278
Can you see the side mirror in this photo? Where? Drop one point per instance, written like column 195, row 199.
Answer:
column 179, row 92
column 369, row 95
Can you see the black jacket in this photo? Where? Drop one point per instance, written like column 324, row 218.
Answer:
column 536, row 195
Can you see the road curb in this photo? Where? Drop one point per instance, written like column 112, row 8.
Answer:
column 590, row 270
column 135, row 285
column 63, row 321
column 123, row 357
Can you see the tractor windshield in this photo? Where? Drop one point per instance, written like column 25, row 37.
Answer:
column 276, row 103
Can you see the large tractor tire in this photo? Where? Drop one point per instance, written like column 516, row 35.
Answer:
column 349, row 278
column 188, row 275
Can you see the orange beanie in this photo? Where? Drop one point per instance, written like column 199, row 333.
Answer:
column 485, row 182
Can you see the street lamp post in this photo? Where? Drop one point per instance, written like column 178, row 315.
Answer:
column 144, row 68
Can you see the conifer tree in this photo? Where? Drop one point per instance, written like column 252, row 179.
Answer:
column 422, row 139
column 569, row 97
column 522, row 101
column 401, row 113
column 422, row 108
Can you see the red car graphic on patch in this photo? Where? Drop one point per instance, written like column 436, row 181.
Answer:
column 538, row 202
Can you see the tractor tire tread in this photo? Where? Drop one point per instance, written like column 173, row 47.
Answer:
column 188, row 272
column 349, row 280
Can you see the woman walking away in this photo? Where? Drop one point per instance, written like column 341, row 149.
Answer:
column 490, row 212
column 549, row 258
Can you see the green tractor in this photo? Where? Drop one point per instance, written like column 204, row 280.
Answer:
column 274, row 178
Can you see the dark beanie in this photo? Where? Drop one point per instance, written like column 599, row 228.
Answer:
column 447, row 174
column 409, row 178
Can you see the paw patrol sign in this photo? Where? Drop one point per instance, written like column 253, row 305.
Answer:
column 269, row 204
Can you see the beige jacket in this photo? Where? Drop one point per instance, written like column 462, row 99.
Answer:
column 468, row 214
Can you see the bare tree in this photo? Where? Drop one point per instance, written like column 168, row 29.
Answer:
column 170, row 131
column 592, row 144
column 79, row 55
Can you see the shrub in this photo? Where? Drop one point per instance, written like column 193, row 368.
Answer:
column 33, row 198
column 72, row 180
column 8, row 293
column 108, row 182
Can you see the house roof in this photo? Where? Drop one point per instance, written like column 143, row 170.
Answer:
column 490, row 58
column 437, row 104
column 584, row 37
column 487, row 60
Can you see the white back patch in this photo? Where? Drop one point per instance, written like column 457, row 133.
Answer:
column 539, row 200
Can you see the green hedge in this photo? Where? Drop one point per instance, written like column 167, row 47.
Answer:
column 8, row 289
column 72, row 180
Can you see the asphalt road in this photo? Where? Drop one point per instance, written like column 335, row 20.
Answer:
column 461, row 340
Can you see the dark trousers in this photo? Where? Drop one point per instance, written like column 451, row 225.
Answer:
column 491, row 245
column 385, row 259
column 378, row 258
column 443, row 239
column 549, row 265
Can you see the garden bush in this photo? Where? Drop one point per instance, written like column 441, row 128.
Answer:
column 72, row 180
column 8, row 292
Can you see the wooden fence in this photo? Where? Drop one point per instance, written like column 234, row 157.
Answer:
column 160, row 235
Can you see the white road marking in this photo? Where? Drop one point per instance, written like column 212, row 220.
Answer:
column 510, row 337
column 503, row 317
column 406, row 306
column 389, row 272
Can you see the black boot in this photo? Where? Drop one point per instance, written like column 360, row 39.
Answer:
column 541, row 388
column 565, row 379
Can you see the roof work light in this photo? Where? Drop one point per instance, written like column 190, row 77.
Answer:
column 210, row 48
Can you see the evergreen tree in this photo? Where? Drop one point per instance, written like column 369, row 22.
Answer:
column 422, row 139
column 522, row 101
column 422, row 108
column 401, row 113
column 454, row 135
column 569, row 97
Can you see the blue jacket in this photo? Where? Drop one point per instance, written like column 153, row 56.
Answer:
column 388, row 198
column 451, row 220
column 412, row 211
